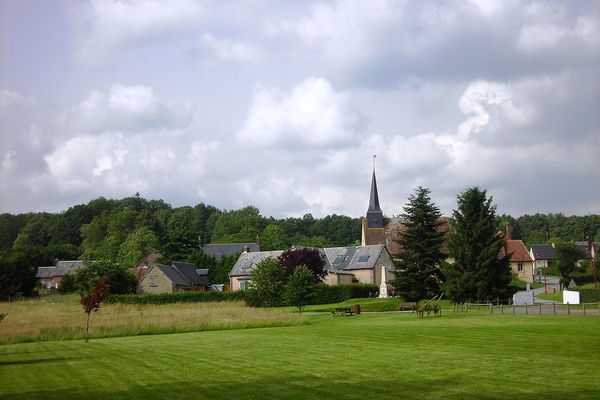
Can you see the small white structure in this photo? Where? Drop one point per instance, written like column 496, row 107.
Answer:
column 570, row 297
column 383, row 294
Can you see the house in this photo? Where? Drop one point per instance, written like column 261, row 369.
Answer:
column 343, row 265
column 50, row 277
column 177, row 277
column 542, row 255
column 520, row 260
column 220, row 250
column 377, row 229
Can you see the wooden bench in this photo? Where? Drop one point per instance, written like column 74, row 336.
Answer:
column 344, row 312
column 409, row 306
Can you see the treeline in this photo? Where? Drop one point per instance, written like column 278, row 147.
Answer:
column 124, row 231
column 553, row 228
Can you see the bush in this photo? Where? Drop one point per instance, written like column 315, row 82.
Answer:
column 581, row 278
column 590, row 295
column 326, row 294
column 178, row 297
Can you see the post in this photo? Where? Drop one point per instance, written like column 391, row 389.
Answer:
column 513, row 308
column 545, row 282
column 583, row 308
column 540, row 308
column 491, row 309
column 502, row 309
column 526, row 309
column 595, row 273
column 554, row 308
column 568, row 309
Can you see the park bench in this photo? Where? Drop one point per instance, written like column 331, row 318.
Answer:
column 409, row 306
column 344, row 312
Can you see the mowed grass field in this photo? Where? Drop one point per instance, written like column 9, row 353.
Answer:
column 370, row 356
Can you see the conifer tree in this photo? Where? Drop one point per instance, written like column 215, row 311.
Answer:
column 418, row 273
column 477, row 272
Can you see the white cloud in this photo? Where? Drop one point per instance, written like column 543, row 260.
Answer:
column 8, row 98
column 109, row 26
column 227, row 49
column 127, row 108
column 547, row 36
column 312, row 114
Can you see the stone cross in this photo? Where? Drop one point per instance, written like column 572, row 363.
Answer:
column 383, row 294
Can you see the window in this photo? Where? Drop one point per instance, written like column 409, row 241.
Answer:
column 153, row 282
column 363, row 258
column 520, row 267
column 244, row 285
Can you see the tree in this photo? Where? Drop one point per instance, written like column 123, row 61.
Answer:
column 17, row 276
column 567, row 255
column 300, row 288
column 273, row 238
column 477, row 272
column 68, row 284
column 92, row 293
column 311, row 258
column 268, row 278
column 118, row 280
column 420, row 257
column 138, row 244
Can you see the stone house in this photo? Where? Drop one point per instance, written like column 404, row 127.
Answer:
column 520, row 260
column 343, row 265
column 178, row 277
column 50, row 277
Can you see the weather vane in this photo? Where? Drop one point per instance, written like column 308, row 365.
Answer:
column 374, row 156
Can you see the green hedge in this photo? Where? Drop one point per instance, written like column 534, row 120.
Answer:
column 178, row 297
column 590, row 295
column 581, row 278
column 327, row 294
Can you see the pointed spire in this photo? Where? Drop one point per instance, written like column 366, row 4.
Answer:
column 374, row 199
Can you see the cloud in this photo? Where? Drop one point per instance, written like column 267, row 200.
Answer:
column 228, row 50
column 312, row 114
column 127, row 108
column 109, row 26
column 9, row 98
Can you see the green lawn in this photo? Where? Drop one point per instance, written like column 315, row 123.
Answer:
column 371, row 356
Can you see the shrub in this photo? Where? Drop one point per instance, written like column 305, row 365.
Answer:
column 581, row 278
column 326, row 294
column 178, row 297
column 590, row 295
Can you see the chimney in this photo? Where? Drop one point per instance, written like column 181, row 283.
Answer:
column 258, row 240
column 508, row 231
column 246, row 249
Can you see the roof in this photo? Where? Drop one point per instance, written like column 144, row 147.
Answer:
column 220, row 250
column 543, row 251
column 189, row 272
column 64, row 267
column 173, row 275
column 584, row 248
column 247, row 261
column 374, row 197
column 337, row 259
column 517, row 250
column 45, row 272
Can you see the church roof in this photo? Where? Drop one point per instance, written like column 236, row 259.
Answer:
column 374, row 198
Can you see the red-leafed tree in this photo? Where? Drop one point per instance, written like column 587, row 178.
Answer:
column 311, row 258
column 91, row 297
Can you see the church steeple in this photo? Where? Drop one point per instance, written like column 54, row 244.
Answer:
column 374, row 213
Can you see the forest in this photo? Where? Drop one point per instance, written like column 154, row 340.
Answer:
column 124, row 231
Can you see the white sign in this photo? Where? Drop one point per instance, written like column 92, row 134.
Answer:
column 571, row 297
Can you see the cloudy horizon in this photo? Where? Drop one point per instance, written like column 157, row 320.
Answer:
column 282, row 105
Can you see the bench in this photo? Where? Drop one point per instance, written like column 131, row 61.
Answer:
column 344, row 312
column 409, row 306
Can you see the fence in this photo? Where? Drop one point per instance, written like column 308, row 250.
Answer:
column 534, row 309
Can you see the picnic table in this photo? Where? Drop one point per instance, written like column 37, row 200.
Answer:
column 343, row 311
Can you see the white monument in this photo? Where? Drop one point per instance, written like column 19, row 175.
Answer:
column 383, row 294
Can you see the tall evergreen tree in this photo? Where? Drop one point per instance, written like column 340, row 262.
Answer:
column 420, row 257
column 477, row 271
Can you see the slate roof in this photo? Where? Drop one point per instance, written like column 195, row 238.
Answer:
column 337, row 259
column 584, row 248
column 220, row 250
column 173, row 275
column 517, row 250
column 189, row 273
column 64, row 267
column 543, row 251
column 247, row 261
column 45, row 272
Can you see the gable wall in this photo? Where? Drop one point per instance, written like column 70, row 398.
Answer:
column 163, row 284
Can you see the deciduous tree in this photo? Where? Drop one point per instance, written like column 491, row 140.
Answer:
column 268, row 278
column 311, row 258
column 300, row 288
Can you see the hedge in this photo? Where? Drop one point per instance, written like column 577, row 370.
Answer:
column 581, row 278
column 590, row 295
column 327, row 294
column 178, row 297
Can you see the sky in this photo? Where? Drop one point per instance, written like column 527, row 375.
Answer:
column 282, row 105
